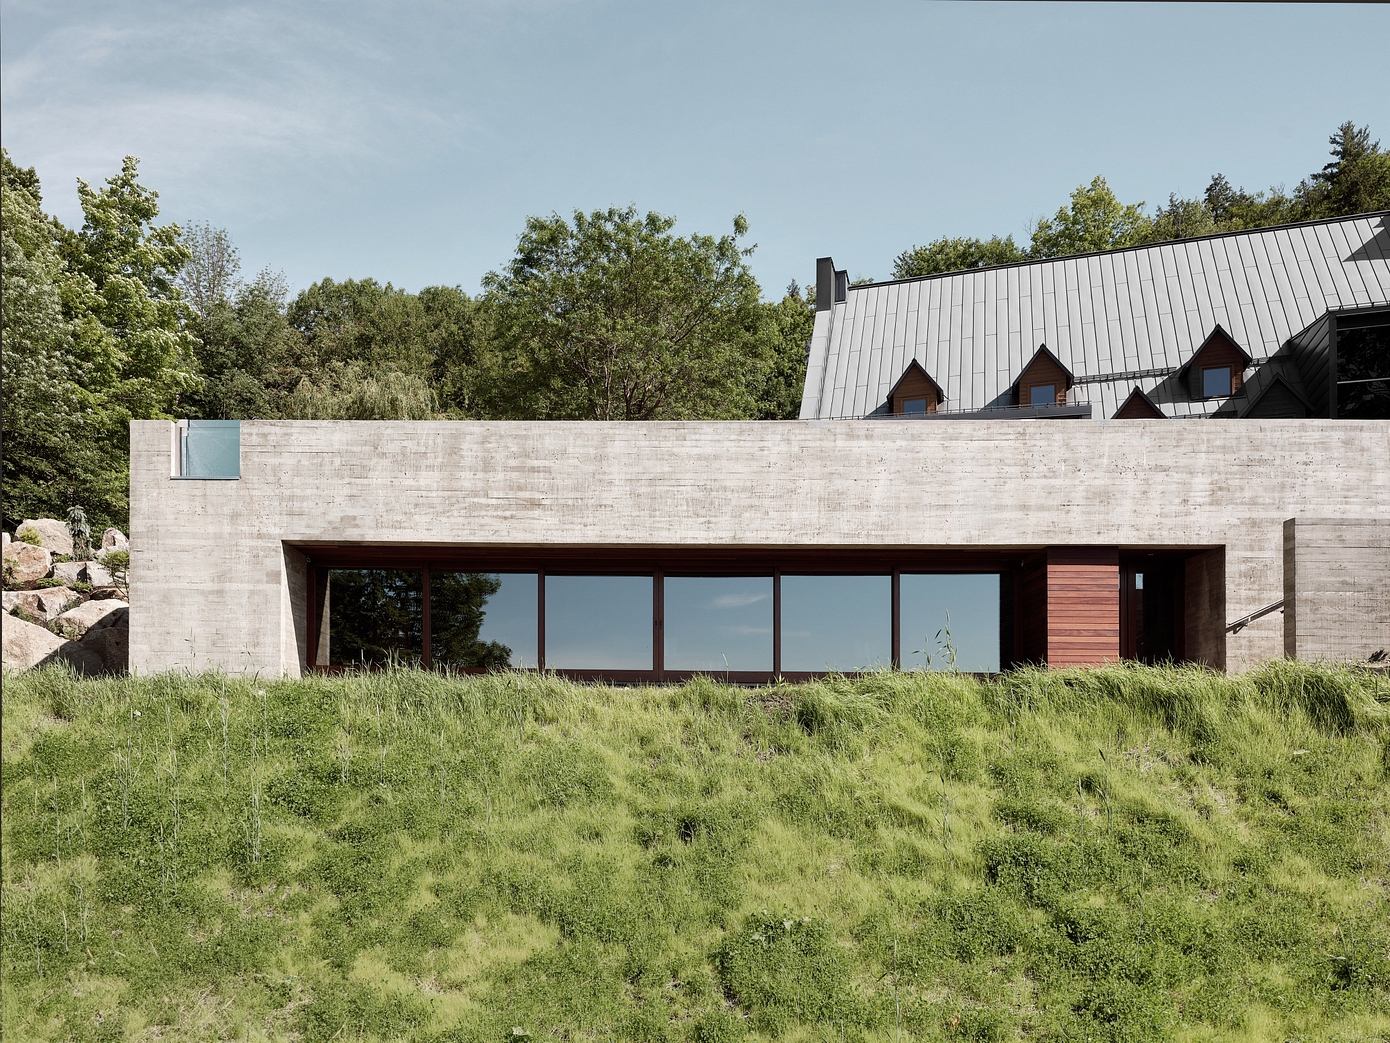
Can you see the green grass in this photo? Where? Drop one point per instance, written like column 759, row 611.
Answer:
column 1114, row 854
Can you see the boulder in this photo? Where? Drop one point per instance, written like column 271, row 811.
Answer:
column 4, row 539
column 114, row 539
column 104, row 593
column 83, row 572
column 92, row 615
column 48, row 603
column 27, row 644
column 9, row 599
column 53, row 534
column 25, row 564
column 103, row 651
column 70, row 571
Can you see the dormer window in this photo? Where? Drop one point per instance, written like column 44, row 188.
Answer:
column 1215, row 369
column 1043, row 382
column 915, row 393
column 1216, row 382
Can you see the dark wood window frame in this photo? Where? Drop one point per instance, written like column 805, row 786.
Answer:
column 322, row 560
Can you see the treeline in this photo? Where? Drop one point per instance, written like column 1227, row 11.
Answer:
column 1355, row 180
column 609, row 315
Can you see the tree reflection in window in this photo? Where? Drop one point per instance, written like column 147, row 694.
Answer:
column 483, row 620
column 376, row 617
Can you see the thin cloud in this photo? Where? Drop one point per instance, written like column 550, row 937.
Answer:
column 737, row 600
column 209, row 100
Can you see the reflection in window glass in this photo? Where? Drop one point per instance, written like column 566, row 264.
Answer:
column 375, row 617
column 949, row 622
column 1363, row 368
column 483, row 620
column 914, row 405
column 1216, row 381
column 598, row 623
column 1042, row 395
column 211, row 449
column 836, row 622
column 718, row 623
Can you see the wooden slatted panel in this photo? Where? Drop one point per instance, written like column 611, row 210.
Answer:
column 1083, row 605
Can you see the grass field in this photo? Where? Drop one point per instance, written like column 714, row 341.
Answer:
column 1115, row 854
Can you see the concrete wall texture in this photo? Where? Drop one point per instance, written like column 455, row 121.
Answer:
column 217, row 583
column 1336, row 587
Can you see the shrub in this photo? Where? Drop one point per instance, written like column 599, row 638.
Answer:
column 29, row 535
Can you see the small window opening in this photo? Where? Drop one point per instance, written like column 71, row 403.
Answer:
column 1216, row 381
column 914, row 405
column 1042, row 395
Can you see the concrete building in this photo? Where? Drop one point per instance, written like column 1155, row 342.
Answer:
column 1042, row 531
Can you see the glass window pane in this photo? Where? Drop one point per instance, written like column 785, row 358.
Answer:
column 1042, row 395
column 212, row 449
column 483, row 620
column 1216, row 381
column 718, row 623
column 949, row 621
column 915, row 405
column 598, row 622
column 375, row 617
column 1364, row 353
column 1364, row 400
column 836, row 622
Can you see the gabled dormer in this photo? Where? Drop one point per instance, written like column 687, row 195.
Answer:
column 1139, row 406
column 1044, row 381
column 915, row 392
column 1278, row 399
column 1216, row 369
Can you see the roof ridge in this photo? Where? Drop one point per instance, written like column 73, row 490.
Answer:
column 1119, row 249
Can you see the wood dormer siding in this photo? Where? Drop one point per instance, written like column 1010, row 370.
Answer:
column 1218, row 351
column 1139, row 406
column 915, row 386
column 1044, row 370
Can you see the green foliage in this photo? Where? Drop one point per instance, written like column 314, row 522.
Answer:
column 117, row 563
column 786, row 333
column 1123, row 853
column 956, row 255
column 81, row 534
column 786, row 971
column 1094, row 219
column 612, row 316
column 30, row 535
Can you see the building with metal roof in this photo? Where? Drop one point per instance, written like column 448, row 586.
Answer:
column 1116, row 323
column 752, row 551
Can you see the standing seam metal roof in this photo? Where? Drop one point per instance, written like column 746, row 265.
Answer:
column 1117, row 320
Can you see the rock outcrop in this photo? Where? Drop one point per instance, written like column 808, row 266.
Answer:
column 91, row 615
column 25, row 564
column 47, row 603
column 49, row 618
column 92, row 572
column 27, row 644
column 53, row 534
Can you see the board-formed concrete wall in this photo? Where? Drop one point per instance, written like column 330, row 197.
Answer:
column 213, row 584
column 1336, row 587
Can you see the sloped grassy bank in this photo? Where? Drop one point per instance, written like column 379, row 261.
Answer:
column 1117, row 854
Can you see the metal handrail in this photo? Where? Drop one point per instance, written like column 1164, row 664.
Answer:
column 1244, row 621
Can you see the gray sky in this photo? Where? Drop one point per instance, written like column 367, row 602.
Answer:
column 409, row 141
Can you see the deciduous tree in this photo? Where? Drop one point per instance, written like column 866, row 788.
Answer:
column 611, row 315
